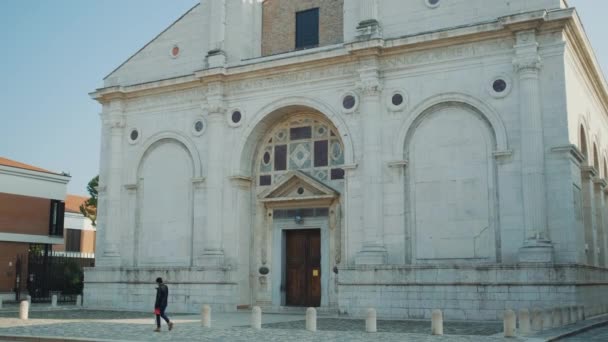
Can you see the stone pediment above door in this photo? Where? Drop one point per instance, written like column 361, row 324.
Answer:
column 298, row 187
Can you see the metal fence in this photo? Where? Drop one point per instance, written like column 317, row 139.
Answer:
column 51, row 273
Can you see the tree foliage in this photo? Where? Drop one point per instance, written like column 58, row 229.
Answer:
column 89, row 207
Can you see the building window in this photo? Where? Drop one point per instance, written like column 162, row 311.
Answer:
column 307, row 28
column 301, row 143
column 56, row 218
column 72, row 240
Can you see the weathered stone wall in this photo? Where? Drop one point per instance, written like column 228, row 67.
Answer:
column 279, row 23
column 469, row 293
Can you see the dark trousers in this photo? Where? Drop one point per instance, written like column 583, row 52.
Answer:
column 162, row 314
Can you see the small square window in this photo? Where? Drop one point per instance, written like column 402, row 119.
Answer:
column 307, row 28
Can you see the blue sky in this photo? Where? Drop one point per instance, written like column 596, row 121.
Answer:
column 57, row 51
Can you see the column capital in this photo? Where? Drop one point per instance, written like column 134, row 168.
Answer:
column 589, row 172
column 527, row 64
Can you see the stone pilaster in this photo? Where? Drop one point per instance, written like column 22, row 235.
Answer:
column 588, row 173
column 114, row 120
column 199, row 210
column 216, row 56
column 369, row 23
column 374, row 250
column 537, row 245
column 604, row 241
column 600, row 233
column 213, row 252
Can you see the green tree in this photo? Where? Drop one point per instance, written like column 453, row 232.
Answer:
column 89, row 207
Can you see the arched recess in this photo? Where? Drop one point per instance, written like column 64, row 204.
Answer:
column 604, row 168
column 198, row 171
column 451, row 184
column 164, row 224
column 582, row 143
column 487, row 112
column 244, row 150
column 596, row 159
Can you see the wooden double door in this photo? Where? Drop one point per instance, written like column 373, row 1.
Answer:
column 303, row 267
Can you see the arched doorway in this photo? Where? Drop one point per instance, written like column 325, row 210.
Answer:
column 297, row 180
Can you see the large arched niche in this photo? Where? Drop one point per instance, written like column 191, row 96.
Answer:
column 451, row 187
column 164, row 204
column 265, row 119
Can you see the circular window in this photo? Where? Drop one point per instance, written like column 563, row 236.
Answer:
column 397, row 100
column 134, row 135
column 499, row 85
column 175, row 50
column 300, row 191
column 432, row 3
column 236, row 117
column 198, row 126
column 266, row 158
column 349, row 102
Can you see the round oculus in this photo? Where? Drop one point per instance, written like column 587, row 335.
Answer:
column 349, row 102
column 175, row 51
column 266, row 158
column 236, row 117
column 397, row 100
column 300, row 191
column 134, row 135
column 198, row 126
column 499, row 85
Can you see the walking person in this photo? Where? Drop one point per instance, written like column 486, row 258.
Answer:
column 162, row 294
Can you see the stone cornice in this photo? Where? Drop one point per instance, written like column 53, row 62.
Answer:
column 581, row 47
column 571, row 150
column 347, row 53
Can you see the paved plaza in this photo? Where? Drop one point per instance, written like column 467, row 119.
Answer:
column 69, row 322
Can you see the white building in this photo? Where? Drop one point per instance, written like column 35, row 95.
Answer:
column 398, row 154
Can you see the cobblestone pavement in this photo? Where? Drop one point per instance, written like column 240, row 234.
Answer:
column 417, row 327
column 126, row 326
column 594, row 335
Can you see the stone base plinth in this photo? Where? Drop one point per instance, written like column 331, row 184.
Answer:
column 469, row 292
column 536, row 251
column 134, row 289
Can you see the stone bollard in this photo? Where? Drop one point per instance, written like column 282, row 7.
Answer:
column 524, row 321
column 24, row 310
column 437, row 322
column 547, row 319
column 565, row 315
column 206, row 316
column 311, row 319
column 256, row 318
column 537, row 319
column 509, row 323
column 54, row 301
column 370, row 321
column 557, row 318
column 79, row 300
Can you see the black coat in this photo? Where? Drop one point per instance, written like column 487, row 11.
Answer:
column 162, row 293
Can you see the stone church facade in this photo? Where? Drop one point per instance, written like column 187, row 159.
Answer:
column 405, row 155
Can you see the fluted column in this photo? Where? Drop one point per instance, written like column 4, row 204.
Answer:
column 214, row 253
column 604, row 241
column 537, row 245
column 113, row 119
column 373, row 249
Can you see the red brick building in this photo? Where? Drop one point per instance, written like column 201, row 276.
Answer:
column 31, row 216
